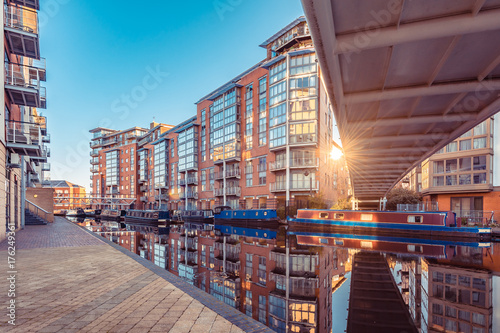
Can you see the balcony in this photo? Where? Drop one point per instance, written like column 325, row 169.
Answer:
column 304, row 163
column 94, row 152
column 24, row 138
column 219, row 175
column 143, row 188
column 33, row 4
column 299, row 185
column 236, row 190
column 182, row 182
column 21, row 31
column 189, row 195
column 192, row 181
column 303, row 139
column 144, row 199
column 277, row 165
column 46, row 138
column 94, row 170
column 22, row 84
column 233, row 173
column 45, row 166
column 161, row 197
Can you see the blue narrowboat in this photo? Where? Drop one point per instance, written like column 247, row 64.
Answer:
column 249, row 218
column 147, row 216
column 422, row 224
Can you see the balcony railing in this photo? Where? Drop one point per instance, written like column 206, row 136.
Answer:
column 182, row 182
column 192, row 180
column 42, row 121
column 21, row 31
column 46, row 138
column 23, row 133
column 189, row 195
column 45, row 166
column 161, row 197
column 93, row 170
column 23, row 84
column 233, row 191
column 22, row 19
column 144, row 199
column 143, row 188
column 33, row 4
column 299, row 185
column 231, row 173
column 277, row 165
column 303, row 139
column 478, row 217
column 219, row 192
column 304, row 163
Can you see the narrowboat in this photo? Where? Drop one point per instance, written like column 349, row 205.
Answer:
column 112, row 214
column 247, row 232
column 79, row 212
column 147, row 216
column 418, row 224
column 248, row 218
column 198, row 216
column 408, row 245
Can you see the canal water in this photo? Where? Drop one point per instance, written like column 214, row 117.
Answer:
column 323, row 282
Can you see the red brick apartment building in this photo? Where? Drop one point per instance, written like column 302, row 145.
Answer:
column 464, row 176
column 23, row 134
column 66, row 194
column 260, row 140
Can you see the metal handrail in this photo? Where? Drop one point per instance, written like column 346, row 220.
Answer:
column 38, row 211
column 21, row 18
column 23, row 132
column 23, row 76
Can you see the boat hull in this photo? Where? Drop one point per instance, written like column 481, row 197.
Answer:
column 380, row 228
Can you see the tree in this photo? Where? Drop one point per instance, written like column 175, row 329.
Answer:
column 401, row 196
column 317, row 202
column 342, row 204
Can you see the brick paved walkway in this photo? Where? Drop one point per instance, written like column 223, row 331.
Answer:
column 68, row 280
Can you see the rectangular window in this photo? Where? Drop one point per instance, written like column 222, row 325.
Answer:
column 262, row 309
column 262, row 170
column 248, row 267
column 262, row 270
column 480, row 129
column 465, row 144
column 479, row 143
column 451, row 147
column 249, row 174
column 248, row 303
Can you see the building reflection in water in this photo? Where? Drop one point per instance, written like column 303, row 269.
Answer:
column 286, row 279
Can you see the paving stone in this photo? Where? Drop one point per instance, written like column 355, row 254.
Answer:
column 70, row 280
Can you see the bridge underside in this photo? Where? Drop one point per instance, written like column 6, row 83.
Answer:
column 406, row 77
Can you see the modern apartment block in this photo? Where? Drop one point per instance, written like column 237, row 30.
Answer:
column 23, row 134
column 260, row 140
column 116, row 160
column 464, row 175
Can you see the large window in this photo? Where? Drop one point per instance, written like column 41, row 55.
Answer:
column 277, row 136
column 277, row 115
column 303, row 87
column 462, row 206
column 303, row 64
column 249, row 117
column 303, row 110
column 277, row 72
column 461, row 171
column 262, row 170
column 112, row 168
column 303, row 133
column 262, row 111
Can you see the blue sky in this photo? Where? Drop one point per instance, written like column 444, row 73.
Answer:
column 121, row 64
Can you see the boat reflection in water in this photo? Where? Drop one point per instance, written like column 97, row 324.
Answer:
column 305, row 281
